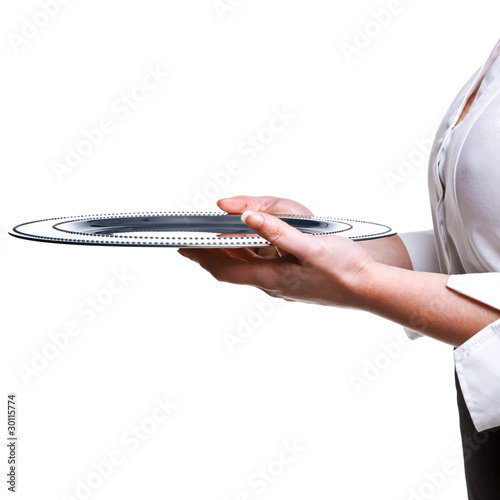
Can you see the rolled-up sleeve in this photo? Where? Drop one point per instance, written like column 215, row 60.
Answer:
column 477, row 361
column 421, row 247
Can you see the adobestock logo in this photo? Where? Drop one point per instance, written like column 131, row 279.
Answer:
column 30, row 28
column 434, row 481
column 374, row 368
column 365, row 34
column 417, row 159
column 88, row 310
column 253, row 144
column 223, row 7
column 266, row 475
column 248, row 324
column 247, row 151
column 122, row 107
column 219, row 180
column 130, row 441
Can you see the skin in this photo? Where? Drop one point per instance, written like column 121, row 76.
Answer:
column 469, row 102
column 374, row 276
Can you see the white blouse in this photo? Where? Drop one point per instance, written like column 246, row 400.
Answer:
column 464, row 189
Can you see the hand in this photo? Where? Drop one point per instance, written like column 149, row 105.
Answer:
column 268, row 204
column 310, row 268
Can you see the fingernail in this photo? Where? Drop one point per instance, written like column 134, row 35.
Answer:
column 252, row 219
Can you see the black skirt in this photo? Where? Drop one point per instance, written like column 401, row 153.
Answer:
column 481, row 452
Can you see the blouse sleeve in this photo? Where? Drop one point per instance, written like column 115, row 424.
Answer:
column 421, row 248
column 477, row 361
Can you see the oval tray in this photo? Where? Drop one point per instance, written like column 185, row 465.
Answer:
column 182, row 229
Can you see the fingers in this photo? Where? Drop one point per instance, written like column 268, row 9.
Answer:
column 246, row 254
column 267, row 252
column 269, row 204
column 283, row 236
column 261, row 273
column 224, row 254
column 238, row 204
column 220, row 253
column 256, row 253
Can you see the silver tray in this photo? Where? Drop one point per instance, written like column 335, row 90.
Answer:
column 182, row 229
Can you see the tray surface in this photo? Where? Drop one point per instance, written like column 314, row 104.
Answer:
column 182, row 229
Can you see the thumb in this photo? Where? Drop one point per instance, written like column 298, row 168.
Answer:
column 280, row 234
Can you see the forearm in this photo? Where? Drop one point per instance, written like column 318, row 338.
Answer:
column 390, row 251
column 422, row 302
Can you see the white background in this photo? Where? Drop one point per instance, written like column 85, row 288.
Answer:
column 163, row 335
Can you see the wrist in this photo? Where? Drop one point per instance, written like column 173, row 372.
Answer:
column 366, row 283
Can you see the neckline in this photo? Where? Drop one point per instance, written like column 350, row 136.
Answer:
column 475, row 87
column 468, row 106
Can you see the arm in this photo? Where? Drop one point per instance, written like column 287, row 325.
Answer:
column 431, row 305
column 391, row 251
column 422, row 301
column 375, row 276
column 331, row 270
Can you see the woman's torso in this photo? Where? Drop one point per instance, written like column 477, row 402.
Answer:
column 464, row 176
